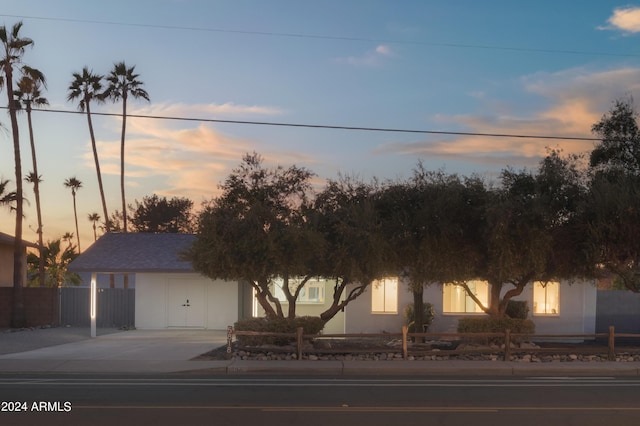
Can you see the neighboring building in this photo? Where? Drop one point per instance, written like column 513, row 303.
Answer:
column 555, row 308
column 6, row 259
column 169, row 293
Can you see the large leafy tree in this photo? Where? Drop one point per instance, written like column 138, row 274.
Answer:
column 124, row 83
column 257, row 230
column 161, row 215
column 612, row 209
column 85, row 88
column 619, row 149
column 530, row 231
column 13, row 46
column 347, row 216
column 29, row 95
column 433, row 223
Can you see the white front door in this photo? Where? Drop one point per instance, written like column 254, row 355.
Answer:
column 186, row 303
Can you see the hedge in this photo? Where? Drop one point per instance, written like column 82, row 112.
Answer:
column 310, row 325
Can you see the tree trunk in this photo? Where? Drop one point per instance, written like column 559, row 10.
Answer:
column 97, row 162
column 18, row 318
column 122, row 137
column 36, row 191
column 418, row 308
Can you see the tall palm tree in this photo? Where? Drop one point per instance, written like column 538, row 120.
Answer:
column 13, row 47
column 86, row 87
column 75, row 185
column 123, row 82
column 29, row 95
column 95, row 218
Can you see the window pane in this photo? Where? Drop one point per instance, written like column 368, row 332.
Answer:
column 546, row 298
column 384, row 296
column 456, row 300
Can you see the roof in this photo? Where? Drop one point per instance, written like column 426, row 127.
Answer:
column 135, row 252
column 9, row 239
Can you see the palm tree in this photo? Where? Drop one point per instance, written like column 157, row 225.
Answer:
column 75, row 185
column 87, row 87
column 6, row 198
column 13, row 47
column 94, row 217
column 123, row 82
column 28, row 95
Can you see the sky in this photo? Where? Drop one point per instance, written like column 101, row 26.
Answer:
column 497, row 66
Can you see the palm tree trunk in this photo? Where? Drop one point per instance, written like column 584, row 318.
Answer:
column 122, row 137
column 18, row 317
column 95, row 158
column 36, row 191
column 75, row 214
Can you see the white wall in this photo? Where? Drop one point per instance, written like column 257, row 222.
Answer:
column 577, row 312
column 221, row 307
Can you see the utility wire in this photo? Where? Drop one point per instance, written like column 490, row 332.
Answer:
column 329, row 37
column 324, row 126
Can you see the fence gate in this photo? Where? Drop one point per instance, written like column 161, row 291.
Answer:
column 116, row 307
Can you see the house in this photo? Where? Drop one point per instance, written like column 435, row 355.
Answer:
column 315, row 298
column 555, row 308
column 6, row 259
column 169, row 293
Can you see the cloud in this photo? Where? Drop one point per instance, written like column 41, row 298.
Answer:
column 573, row 101
column 625, row 19
column 211, row 110
column 371, row 58
column 184, row 161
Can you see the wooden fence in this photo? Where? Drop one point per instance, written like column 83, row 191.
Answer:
column 506, row 349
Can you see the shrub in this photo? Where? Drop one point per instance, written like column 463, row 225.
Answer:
column 517, row 309
column 310, row 325
column 495, row 325
column 427, row 316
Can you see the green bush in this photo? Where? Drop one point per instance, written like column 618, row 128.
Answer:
column 517, row 309
column 427, row 316
column 310, row 325
column 495, row 325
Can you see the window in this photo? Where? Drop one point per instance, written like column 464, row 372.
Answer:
column 384, row 296
column 311, row 293
column 546, row 298
column 456, row 300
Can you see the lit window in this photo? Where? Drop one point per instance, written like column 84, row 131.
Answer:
column 456, row 300
column 546, row 298
column 312, row 292
column 384, row 296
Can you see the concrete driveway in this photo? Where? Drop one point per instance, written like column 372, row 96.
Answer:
column 132, row 350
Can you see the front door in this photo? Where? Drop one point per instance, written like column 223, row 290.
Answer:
column 186, row 303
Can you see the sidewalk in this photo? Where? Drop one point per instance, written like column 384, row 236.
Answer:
column 172, row 351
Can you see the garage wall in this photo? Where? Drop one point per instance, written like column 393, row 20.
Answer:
column 221, row 308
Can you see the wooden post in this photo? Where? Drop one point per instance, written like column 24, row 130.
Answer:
column 229, row 338
column 405, row 331
column 612, row 343
column 507, row 345
column 299, row 333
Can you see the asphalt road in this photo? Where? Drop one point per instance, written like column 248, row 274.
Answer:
column 194, row 400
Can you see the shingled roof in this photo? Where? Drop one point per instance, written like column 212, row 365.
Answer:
column 135, row 252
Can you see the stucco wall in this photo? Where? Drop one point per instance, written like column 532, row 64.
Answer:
column 577, row 312
column 6, row 265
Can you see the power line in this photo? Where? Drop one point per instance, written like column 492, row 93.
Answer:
column 326, row 126
column 329, row 37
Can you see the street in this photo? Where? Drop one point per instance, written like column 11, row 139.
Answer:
column 236, row 400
